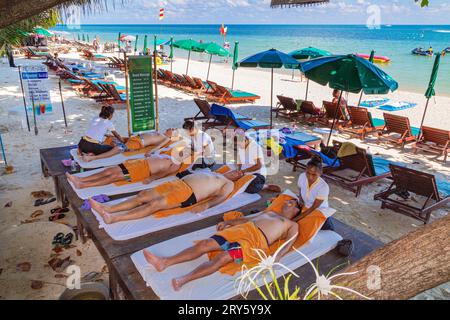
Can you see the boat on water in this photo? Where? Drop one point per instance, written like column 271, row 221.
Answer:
column 376, row 59
column 421, row 52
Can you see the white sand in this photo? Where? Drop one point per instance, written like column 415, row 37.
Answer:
column 32, row 242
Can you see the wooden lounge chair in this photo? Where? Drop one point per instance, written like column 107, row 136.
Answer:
column 420, row 183
column 310, row 112
column 362, row 163
column 397, row 130
column 433, row 140
column 205, row 114
column 286, row 107
column 330, row 110
column 361, row 122
column 193, row 86
column 224, row 95
column 30, row 53
column 116, row 97
column 203, row 86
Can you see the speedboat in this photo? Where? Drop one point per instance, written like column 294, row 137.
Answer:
column 421, row 52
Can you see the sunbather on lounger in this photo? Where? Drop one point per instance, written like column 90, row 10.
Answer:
column 236, row 240
column 205, row 190
column 137, row 170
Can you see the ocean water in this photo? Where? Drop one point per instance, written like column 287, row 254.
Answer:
column 396, row 42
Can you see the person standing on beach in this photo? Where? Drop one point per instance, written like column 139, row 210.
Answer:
column 93, row 145
column 343, row 102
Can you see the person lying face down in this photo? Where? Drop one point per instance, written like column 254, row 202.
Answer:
column 144, row 170
column 135, row 143
column 235, row 238
column 206, row 187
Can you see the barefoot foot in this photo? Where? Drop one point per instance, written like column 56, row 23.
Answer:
column 155, row 261
column 177, row 284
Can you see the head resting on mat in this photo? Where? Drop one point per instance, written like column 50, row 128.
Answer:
column 290, row 209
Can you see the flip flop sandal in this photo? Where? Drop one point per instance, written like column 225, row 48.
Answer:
column 57, row 216
column 50, row 200
column 59, row 210
column 67, row 239
column 58, row 238
column 38, row 202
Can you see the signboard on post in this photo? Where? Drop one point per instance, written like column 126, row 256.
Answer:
column 141, row 100
column 36, row 89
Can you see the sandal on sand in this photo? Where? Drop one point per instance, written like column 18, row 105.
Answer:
column 56, row 216
column 59, row 210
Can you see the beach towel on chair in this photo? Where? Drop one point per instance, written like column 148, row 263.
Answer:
column 125, row 230
column 218, row 285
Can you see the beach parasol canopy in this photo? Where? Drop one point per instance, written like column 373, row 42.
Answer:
column 308, row 53
column 270, row 59
column 430, row 90
column 190, row 45
column 171, row 53
column 136, row 43
column 144, row 49
column 348, row 73
column 215, row 49
column 127, row 37
column 42, row 32
column 118, row 40
column 296, row 3
column 234, row 66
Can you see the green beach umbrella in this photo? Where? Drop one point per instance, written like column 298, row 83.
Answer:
column 270, row 59
column 136, row 43
column 234, row 66
column 213, row 48
column 118, row 39
column 308, row 53
column 87, row 38
column 78, row 36
column 42, row 32
column 431, row 91
column 190, row 45
column 154, row 43
column 83, row 38
column 372, row 56
column 171, row 53
column 348, row 73
column 145, row 45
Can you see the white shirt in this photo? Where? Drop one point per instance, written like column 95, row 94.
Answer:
column 319, row 190
column 99, row 128
column 203, row 144
column 249, row 156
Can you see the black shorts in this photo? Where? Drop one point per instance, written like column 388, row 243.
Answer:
column 95, row 148
column 189, row 202
column 257, row 184
column 183, row 174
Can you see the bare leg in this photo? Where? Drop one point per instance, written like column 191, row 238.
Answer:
column 144, row 210
column 141, row 198
column 110, row 153
column 104, row 173
column 191, row 253
column 203, row 270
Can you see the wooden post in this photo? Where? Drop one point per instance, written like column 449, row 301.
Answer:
column 36, row 131
column 127, row 94
column 24, row 101
column 62, row 103
column 156, row 91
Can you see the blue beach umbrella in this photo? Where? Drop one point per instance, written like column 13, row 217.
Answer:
column 272, row 59
column 348, row 73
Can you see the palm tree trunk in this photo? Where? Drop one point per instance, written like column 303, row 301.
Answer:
column 10, row 55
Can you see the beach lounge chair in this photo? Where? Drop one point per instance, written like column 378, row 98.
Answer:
column 193, row 86
column 30, row 53
column 204, row 113
column 221, row 286
column 310, row 112
column 116, row 96
column 233, row 119
column 286, row 107
column 361, row 122
column 94, row 56
column 420, row 183
column 330, row 111
column 224, row 95
column 397, row 130
column 203, row 86
column 368, row 168
column 433, row 140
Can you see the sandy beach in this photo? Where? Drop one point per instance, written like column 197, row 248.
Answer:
column 21, row 241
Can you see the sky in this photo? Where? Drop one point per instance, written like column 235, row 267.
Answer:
column 259, row 12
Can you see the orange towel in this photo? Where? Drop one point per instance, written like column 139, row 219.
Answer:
column 134, row 143
column 308, row 227
column 139, row 169
column 237, row 186
column 249, row 237
column 175, row 192
column 232, row 215
column 108, row 141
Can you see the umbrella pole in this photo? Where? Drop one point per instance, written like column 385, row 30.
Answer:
column 209, row 67
column 271, row 98
column 293, row 70
column 334, row 118
column 3, row 151
column 423, row 118
column 187, row 66
column 360, row 98
column 232, row 81
column 307, row 89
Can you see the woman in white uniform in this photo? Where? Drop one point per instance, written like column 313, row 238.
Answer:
column 314, row 191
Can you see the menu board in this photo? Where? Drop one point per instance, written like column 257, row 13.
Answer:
column 142, row 106
column 36, row 88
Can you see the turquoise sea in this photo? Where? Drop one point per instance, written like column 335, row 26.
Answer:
column 412, row 72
